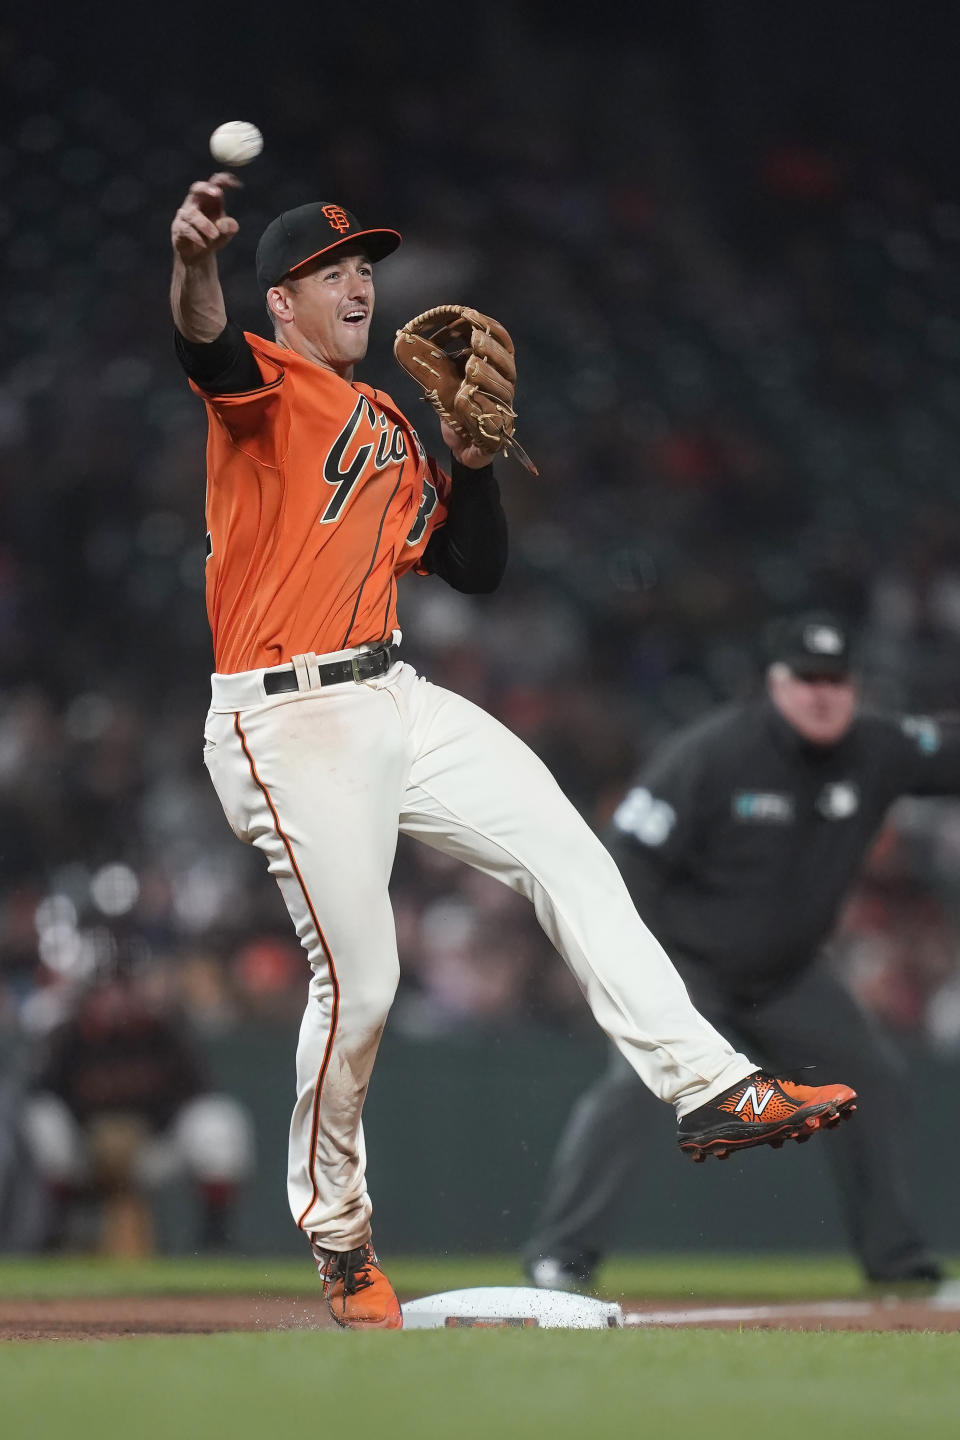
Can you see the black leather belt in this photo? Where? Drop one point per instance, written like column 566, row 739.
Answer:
column 365, row 666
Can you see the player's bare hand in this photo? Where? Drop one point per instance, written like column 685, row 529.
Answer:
column 462, row 451
column 202, row 226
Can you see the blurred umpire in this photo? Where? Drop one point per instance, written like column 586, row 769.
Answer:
column 739, row 842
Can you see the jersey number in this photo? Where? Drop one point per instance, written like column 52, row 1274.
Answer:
column 427, row 506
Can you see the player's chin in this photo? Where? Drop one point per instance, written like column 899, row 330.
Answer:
column 354, row 344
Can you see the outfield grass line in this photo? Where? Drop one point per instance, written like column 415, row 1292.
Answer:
column 698, row 1278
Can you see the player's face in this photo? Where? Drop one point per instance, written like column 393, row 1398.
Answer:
column 326, row 314
column 820, row 708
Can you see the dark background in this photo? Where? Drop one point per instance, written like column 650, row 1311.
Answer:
column 726, row 241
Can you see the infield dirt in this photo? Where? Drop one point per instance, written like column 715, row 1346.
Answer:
column 119, row 1317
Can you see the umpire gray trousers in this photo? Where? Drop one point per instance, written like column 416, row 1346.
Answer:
column 814, row 1021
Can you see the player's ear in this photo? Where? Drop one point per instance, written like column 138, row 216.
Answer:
column 278, row 303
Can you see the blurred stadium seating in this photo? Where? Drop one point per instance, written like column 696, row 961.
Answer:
column 740, row 377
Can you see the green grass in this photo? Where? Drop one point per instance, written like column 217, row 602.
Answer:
column 473, row 1384
column 702, row 1277
column 464, row 1385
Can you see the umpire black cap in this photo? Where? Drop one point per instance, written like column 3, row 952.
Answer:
column 813, row 644
column 298, row 236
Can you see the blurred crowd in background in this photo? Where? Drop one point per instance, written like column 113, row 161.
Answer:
column 740, row 379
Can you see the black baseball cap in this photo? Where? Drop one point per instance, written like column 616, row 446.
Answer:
column 298, row 236
column 814, row 644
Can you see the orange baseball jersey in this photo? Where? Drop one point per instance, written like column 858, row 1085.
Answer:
column 319, row 495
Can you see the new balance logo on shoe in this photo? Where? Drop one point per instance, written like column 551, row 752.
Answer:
column 750, row 1094
column 744, row 1115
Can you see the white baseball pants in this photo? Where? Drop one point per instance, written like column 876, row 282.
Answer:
column 322, row 780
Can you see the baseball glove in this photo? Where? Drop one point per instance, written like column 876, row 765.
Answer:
column 464, row 362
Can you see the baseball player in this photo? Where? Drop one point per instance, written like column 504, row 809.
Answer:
column 739, row 841
column 322, row 744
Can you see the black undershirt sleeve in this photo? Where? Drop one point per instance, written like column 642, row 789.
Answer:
column 469, row 551
column 225, row 366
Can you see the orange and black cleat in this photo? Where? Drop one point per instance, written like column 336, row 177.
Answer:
column 763, row 1110
column 358, row 1294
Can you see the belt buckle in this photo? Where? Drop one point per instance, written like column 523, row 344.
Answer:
column 355, row 668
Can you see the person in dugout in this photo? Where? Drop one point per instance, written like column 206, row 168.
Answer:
column 118, row 1105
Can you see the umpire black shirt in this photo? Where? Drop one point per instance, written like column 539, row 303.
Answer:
column 740, row 839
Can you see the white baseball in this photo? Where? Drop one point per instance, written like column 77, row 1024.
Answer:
column 236, row 143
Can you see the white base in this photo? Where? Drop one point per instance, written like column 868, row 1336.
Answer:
column 495, row 1306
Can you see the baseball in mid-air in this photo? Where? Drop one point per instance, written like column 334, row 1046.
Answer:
column 236, row 143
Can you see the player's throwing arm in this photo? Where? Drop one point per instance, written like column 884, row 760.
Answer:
column 201, row 228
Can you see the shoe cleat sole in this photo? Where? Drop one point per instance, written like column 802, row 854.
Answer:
column 825, row 1118
column 390, row 1323
column 842, row 1112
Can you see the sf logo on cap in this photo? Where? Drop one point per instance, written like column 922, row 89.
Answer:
column 337, row 217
